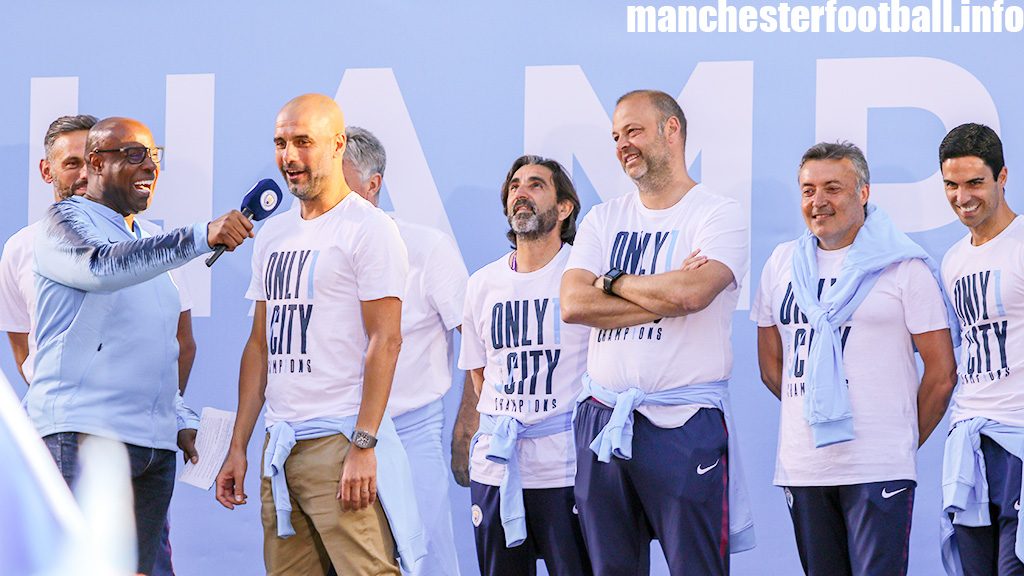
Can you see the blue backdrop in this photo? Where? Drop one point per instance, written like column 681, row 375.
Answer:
column 456, row 91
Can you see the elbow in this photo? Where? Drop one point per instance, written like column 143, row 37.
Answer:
column 395, row 344
column 390, row 344
column 187, row 349
column 570, row 310
column 685, row 302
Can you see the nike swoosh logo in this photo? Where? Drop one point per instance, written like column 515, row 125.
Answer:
column 702, row 471
column 1016, row 505
column 886, row 494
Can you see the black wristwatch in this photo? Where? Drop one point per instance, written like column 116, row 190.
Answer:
column 609, row 278
column 363, row 439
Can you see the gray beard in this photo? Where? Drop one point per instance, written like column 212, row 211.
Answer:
column 533, row 226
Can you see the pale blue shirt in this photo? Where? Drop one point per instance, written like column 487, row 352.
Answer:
column 107, row 319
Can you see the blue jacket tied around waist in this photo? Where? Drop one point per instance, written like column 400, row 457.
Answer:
column 394, row 479
column 616, row 439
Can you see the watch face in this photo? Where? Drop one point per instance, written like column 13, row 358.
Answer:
column 363, row 439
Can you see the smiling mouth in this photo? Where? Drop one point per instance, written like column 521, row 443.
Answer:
column 144, row 186
column 630, row 157
column 969, row 209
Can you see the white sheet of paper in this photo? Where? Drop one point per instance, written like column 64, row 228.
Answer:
column 212, row 443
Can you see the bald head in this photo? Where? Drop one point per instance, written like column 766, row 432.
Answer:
column 309, row 136
column 113, row 132
column 122, row 172
column 316, row 108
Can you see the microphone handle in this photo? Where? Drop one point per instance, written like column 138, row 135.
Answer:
column 220, row 248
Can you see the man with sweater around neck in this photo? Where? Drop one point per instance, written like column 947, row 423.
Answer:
column 656, row 455
column 107, row 319
column 839, row 312
column 526, row 368
column 984, row 276
column 328, row 280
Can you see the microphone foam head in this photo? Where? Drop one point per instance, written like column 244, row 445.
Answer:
column 262, row 199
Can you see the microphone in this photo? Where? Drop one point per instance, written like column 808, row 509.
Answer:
column 260, row 202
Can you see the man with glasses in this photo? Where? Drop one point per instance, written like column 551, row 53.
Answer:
column 107, row 318
column 64, row 167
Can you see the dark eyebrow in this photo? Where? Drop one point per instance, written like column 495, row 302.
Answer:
column 536, row 179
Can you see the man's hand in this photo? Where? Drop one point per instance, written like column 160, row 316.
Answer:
column 694, row 260
column 187, row 443
column 230, row 481
column 230, row 230
column 358, row 486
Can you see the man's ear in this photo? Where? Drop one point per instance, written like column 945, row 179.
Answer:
column 375, row 183
column 340, row 142
column 45, row 171
column 95, row 162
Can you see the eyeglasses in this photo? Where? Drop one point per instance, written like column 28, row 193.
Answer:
column 137, row 154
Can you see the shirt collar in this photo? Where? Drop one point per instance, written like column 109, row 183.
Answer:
column 104, row 211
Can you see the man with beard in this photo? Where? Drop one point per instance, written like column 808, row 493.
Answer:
column 63, row 166
column 327, row 280
column 652, row 421
column 985, row 280
column 108, row 314
column 431, row 311
column 526, row 369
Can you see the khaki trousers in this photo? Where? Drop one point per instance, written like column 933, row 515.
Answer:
column 358, row 543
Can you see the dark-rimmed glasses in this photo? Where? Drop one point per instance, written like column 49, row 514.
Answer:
column 137, row 154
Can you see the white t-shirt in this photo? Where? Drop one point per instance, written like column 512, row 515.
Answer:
column 18, row 286
column 986, row 285
column 878, row 356
column 313, row 275
column 532, row 364
column 18, row 290
column 671, row 352
column 431, row 309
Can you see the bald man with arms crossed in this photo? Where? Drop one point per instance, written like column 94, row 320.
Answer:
column 328, row 279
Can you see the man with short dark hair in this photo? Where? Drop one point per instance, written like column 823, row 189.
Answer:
column 652, row 422
column 526, row 368
column 107, row 320
column 984, row 277
column 431, row 311
column 839, row 314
